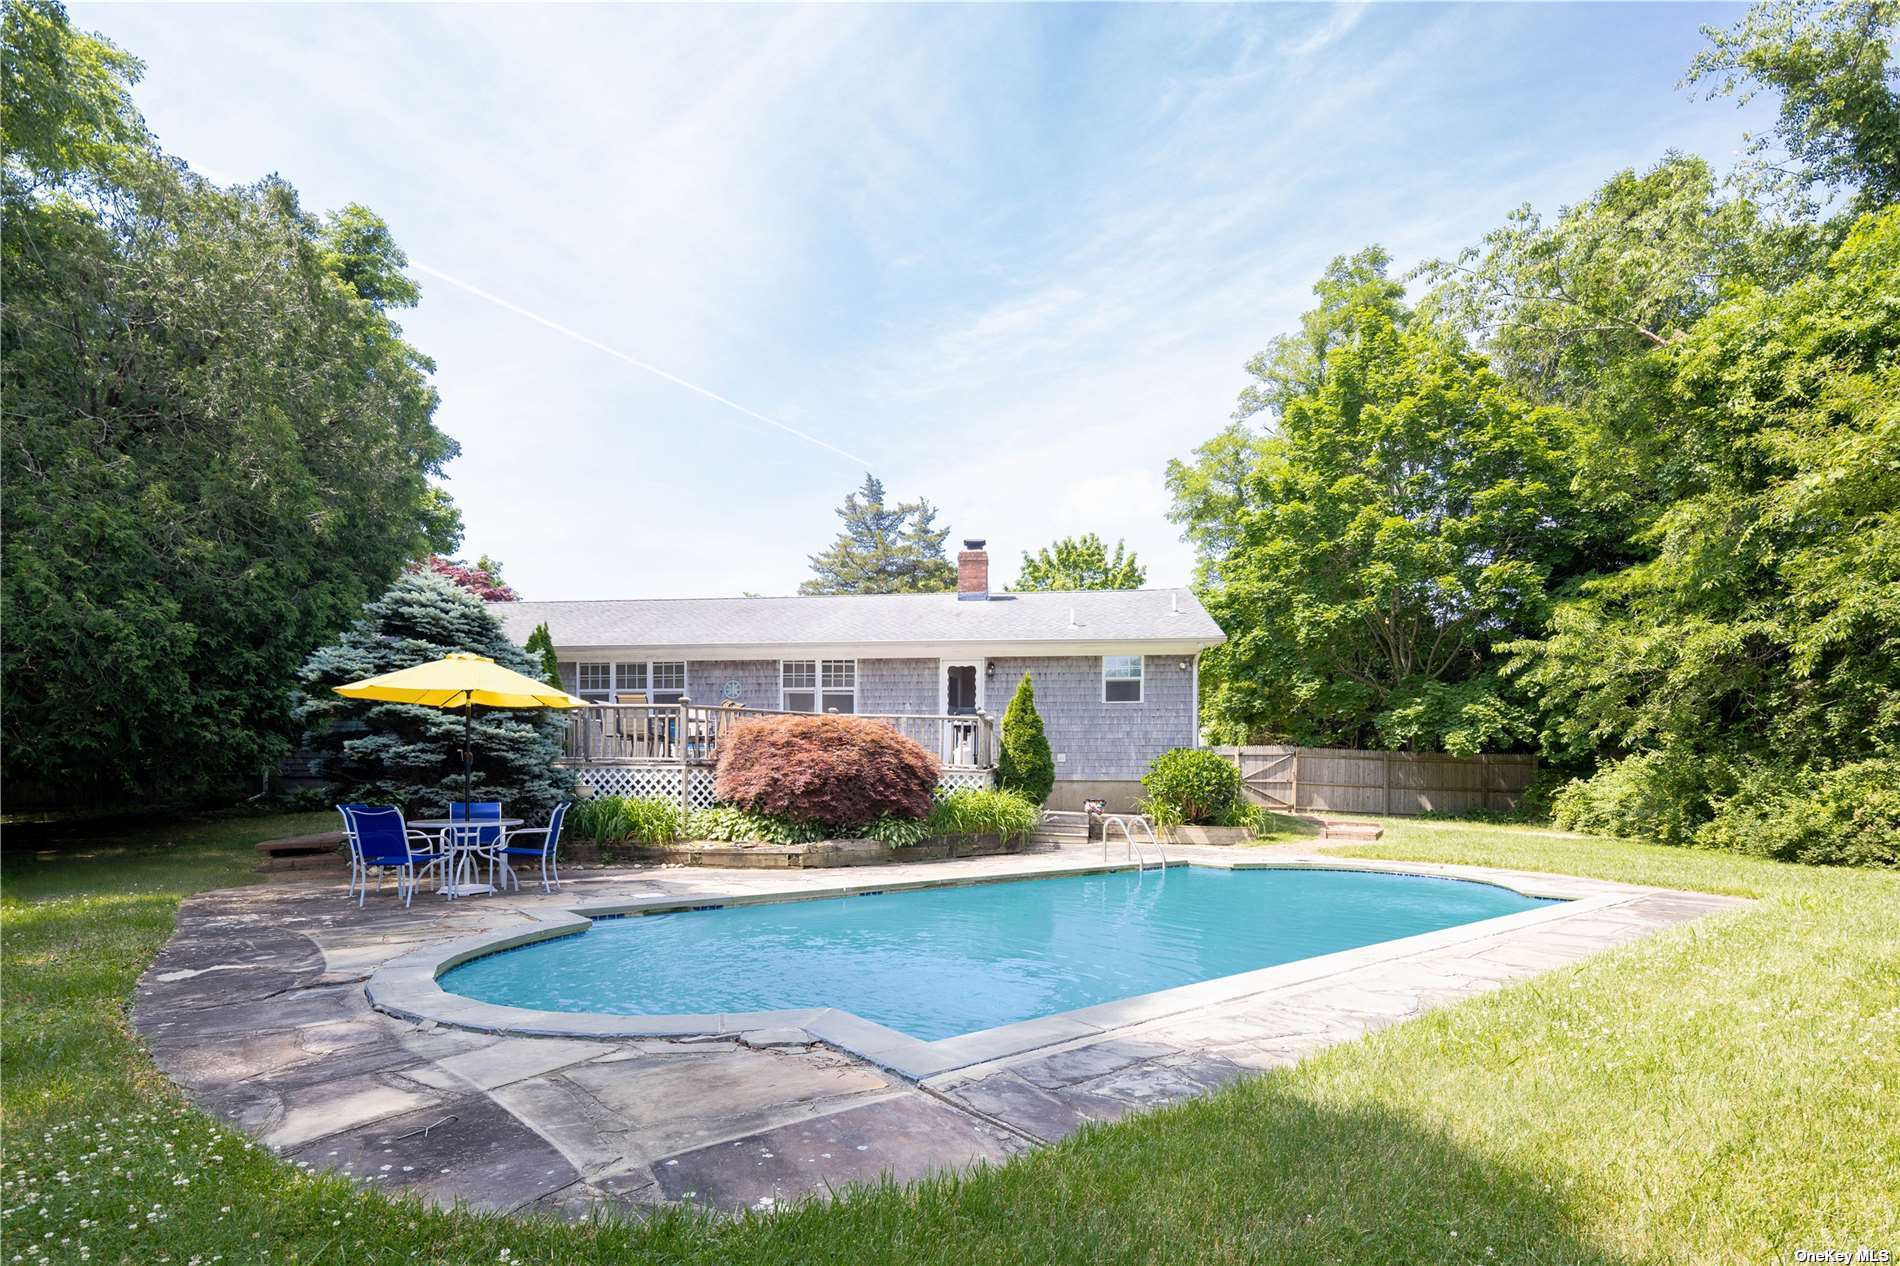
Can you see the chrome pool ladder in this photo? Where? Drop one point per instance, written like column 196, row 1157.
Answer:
column 1139, row 834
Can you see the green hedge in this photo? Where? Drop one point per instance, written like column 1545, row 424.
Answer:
column 634, row 820
column 1848, row 816
column 1192, row 784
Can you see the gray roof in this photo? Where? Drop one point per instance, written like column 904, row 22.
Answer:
column 1119, row 616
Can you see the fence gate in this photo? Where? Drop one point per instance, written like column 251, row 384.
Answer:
column 1268, row 774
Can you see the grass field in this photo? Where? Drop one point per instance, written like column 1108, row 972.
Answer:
column 1725, row 1091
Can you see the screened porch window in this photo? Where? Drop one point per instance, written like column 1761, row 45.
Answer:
column 1121, row 678
column 822, row 685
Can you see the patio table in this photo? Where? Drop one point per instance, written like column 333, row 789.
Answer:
column 462, row 855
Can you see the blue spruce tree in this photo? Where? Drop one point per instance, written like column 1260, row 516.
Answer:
column 398, row 753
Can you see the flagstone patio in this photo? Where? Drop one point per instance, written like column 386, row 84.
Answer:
column 258, row 1008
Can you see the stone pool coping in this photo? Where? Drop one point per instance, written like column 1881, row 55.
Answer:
column 408, row 987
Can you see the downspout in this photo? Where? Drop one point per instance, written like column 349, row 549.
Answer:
column 1194, row 684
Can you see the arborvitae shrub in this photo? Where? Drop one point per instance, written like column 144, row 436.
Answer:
column 1025, row 765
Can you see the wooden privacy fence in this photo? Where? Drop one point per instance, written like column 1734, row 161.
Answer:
column 1343, row 780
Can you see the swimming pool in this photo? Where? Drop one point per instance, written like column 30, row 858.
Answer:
column 937, row 962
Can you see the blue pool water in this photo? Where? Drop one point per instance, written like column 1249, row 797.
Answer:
column 937, row 962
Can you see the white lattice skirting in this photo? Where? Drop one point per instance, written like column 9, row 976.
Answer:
column 648, row 782
column 965, row 780
column 662, row 782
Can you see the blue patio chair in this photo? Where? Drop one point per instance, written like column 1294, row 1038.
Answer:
column 384, row 840
column 546, row 850
column 484, row 842
column 359, row 873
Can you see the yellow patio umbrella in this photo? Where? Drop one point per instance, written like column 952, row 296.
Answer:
column 461, row 680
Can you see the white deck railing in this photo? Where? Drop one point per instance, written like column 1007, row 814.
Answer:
column 688, row 733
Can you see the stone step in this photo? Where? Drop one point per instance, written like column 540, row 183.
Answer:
column 1335, row 829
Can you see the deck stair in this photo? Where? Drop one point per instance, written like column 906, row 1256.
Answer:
column 321, row 851
column 1060, row 831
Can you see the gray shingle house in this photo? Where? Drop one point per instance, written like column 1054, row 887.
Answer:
column 1116, row 673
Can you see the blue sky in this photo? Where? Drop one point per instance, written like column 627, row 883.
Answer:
column 1011, row 258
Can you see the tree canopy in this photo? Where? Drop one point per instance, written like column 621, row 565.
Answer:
column 1079, row 562
column 883, row 548
column 217, row 443
column 1391, row 540
column 1831, row 64
column 481, row 578
column 1623, row 487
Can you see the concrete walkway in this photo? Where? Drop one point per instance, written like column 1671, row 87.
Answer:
column 257, row 1007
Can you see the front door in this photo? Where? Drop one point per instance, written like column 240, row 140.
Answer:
column 959, row 700
column 959, row 689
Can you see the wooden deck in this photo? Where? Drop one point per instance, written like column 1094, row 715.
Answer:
column 687, row 734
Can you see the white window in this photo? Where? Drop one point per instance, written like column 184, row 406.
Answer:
column 630, row 679
column 798, row 685
column 669, row 680
column 660, row 681
column 1121, row 678
column 594, row 681
column 828, row 685
column 838, row 685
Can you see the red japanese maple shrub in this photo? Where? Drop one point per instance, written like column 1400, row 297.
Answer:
column 841, row 771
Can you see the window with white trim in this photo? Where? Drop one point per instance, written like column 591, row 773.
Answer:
column 594, row 681
column 669, row 680
column 659, row 681
column 1121, row 679
column 818, row 685
column 630, row 679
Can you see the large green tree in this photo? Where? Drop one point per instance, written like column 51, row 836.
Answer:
column 398, row 753
column 1080, row 562
column 1831, row 65
column 217, row 444
column 1761, row 626
column 1411, row 513
column 884, row 547
column 1727, row 662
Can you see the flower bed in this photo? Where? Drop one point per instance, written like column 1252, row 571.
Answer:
column 963, row 823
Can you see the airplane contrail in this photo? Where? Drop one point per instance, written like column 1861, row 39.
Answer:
column 635, row 361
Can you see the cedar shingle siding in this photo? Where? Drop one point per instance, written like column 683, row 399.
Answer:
column 1107, row 742
column 1103, row 741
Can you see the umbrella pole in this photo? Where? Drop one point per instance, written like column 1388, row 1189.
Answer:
column 468, row 761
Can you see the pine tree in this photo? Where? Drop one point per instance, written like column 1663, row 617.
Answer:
column 883, row 548
column 397, row 753
column 1024, row 764
column 540, row 644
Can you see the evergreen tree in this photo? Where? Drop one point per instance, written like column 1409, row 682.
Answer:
column 1080, row 562
column 540, row 644
column 398, row 753
column 1024, row 764
column 883, row 548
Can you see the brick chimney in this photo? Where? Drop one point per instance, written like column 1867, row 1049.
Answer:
column 973, row 573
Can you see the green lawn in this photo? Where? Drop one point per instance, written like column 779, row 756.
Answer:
column 1728, row 1091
